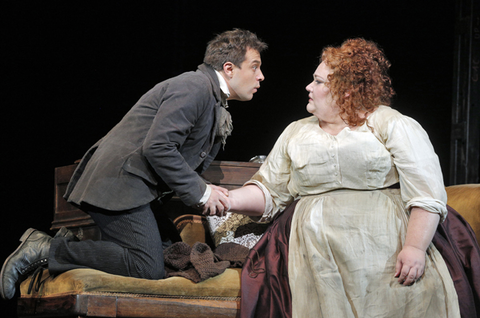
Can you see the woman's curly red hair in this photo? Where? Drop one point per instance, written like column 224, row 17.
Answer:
column 360, row 80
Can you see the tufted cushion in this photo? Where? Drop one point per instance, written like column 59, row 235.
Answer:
column 80, row 281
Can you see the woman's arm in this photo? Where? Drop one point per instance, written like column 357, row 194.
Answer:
column 248, row 200
column 411, row 260
column 421, row 186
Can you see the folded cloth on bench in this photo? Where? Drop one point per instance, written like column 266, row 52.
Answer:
column 80, row 281
column 199, row 262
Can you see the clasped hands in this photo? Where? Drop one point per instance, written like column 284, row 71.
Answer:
column 218, row 203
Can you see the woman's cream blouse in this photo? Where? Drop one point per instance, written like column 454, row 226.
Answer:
column 389, row 148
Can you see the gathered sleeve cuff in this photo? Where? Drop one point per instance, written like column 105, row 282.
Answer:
column 268, row 212
column 429, row 205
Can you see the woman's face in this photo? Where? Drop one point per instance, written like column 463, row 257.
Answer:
column 321, row 103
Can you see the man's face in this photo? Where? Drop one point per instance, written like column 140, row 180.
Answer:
column 245, row 80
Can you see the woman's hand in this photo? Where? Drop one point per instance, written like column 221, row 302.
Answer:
column 217, row 203
column 410, row 265
column 411, row 259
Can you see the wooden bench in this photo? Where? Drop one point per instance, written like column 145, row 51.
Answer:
column 89, row 293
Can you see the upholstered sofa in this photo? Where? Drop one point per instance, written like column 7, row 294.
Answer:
column 91, row 293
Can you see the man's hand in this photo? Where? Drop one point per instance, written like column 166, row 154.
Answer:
column 410, row 265
column 217, row 203
column 219, row 189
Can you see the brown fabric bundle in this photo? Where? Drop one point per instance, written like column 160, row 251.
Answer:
column 199, row 262
column 232, row 252
column 206, row 262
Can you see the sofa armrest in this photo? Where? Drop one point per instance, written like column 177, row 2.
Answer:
column 465, row 199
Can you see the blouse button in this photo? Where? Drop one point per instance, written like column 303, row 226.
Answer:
column 203, row 154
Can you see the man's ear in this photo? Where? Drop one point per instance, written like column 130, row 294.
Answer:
column 228, row 69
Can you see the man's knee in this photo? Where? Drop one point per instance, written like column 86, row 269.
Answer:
column 151, row 268
column 155, row 273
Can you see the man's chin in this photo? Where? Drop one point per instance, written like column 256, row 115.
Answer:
column 249, row 97
column 245, row 98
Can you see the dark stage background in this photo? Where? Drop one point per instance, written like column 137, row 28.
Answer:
column 71, row 71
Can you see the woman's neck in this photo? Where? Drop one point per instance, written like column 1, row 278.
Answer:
column 336, row 124
column 333, row 128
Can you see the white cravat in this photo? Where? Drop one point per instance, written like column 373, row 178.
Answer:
column 223, row 86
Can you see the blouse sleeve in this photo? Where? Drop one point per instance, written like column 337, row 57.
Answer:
column 418, row 166
column 273, row 178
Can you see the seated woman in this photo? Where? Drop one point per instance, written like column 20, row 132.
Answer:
column 360, row 246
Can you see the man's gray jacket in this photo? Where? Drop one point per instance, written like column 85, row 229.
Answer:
column 163, row 143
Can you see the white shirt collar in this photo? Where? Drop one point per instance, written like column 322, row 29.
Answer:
column 223, row 84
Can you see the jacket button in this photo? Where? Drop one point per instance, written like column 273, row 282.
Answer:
column 203, row 154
